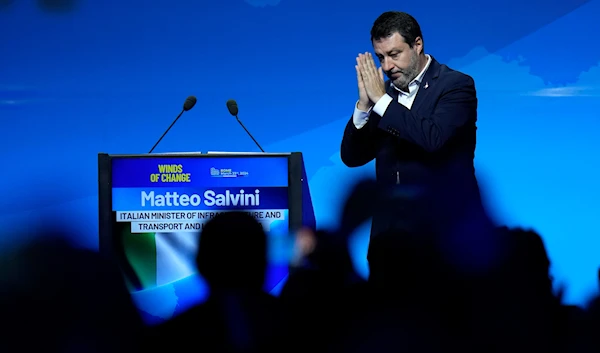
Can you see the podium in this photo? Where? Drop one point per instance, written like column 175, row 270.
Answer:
column 152, row 207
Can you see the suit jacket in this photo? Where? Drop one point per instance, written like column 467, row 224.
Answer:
column 435, row 138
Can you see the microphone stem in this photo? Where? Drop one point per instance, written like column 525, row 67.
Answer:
column 163, row 135
column 249, row 134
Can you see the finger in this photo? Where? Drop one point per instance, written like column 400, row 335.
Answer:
column 360, row 65
column 364, row 67
column 358, row 74
column 376, row 72
column 361, row 62
column 367, row 67
column 365, row 58
column 364, row 73
column 360, row 59
column 371, row 64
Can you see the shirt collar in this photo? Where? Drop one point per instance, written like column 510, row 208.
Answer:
column 419, row 78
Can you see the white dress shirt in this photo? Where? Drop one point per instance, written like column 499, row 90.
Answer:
column 360, row 117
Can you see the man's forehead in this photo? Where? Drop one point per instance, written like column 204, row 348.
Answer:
column 392, row 40
column 389, row 43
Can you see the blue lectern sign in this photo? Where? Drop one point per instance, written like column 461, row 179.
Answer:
column 161, row 204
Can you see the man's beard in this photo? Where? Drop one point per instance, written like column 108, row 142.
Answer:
column 408, row 74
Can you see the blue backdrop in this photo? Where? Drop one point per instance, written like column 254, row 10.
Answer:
column 109, row 76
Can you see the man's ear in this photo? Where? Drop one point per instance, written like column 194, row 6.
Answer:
column 418, row 45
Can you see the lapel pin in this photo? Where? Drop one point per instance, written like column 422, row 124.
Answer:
column 426, row 85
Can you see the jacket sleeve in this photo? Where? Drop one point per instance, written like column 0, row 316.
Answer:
column 359, row 146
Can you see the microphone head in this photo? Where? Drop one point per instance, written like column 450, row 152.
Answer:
column 232, row 107
column 189, row 103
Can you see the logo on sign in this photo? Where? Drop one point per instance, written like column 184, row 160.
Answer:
column 226, row 173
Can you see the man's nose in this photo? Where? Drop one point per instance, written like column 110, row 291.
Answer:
column 386, row 64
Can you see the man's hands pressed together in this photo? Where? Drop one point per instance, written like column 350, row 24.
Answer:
column 371, row 83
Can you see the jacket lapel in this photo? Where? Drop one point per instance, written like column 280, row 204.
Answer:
column 429, row 80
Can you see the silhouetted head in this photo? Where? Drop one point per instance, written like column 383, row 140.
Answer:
column 398, row 43
column 331, row 253
column 68, row 296
column 528, row 262
column 233, row 252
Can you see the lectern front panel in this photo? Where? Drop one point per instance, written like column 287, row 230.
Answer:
column 160, row 205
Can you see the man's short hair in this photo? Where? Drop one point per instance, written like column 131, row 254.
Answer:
column 391, row 22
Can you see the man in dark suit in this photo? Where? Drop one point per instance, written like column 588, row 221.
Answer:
column 419, row 125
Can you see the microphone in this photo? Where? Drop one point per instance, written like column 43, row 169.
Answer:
column 233, row 110
column 187, row 105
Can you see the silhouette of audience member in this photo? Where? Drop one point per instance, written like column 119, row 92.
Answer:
column 322, row 292
column 238, row 316
column 442, row 278
column 515, row 309
column 56, row 298
column 400, row 311
column 591, row 324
